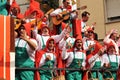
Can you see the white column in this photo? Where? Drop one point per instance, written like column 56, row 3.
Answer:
column 12, row 65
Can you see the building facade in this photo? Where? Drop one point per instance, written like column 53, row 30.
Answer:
column 105, row 13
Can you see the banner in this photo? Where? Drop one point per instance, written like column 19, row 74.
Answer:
column 4, row 47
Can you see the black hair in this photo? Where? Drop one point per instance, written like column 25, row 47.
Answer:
column 85, row 13
column 21, row 27
column 64, row 1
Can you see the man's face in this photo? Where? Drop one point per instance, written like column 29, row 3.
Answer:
column 66, row 4
column 22, row 30
column 45, row 31
column 114, row 36
column 78, row 44
column 51, row 45
column 85, row 18
column 33, row 14
column 15, row 11
column 111, row 49
column 90, row 34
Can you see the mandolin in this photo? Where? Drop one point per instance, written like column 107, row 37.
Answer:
column 17, row 22
column 65, row 15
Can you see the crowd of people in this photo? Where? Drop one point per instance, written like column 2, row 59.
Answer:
column 68, row 44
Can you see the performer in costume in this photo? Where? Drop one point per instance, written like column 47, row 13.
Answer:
column 33, row 12
column 14, row 12
column 111, row 61
column 67, row 40
column 45, row 35
column 24, row 53
column 14, row 9
column 88, row 41
column 75, row 58
column 112, row 36
column 47, row 58
column 58, row 16
column 94, row 61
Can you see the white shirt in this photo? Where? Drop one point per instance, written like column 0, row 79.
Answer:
column 69, row 56
column 94, row 59
column 43, row 58
column 83, row 25
column 87, row 42
column 30, row 51
column 62, row 42
column 112, row 58
column 39, row 38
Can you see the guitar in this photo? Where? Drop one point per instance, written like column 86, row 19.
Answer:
column 65, row 15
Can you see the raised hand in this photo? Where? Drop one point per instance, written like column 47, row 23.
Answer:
column 90, row 46
column 101, row 51
column 48, row 58
column 69, row 44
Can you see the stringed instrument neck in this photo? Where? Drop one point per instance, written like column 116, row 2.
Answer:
column 68, row 13
column 39, row 20
column 65, row 15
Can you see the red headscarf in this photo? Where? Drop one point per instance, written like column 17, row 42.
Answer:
column 20, row 16
column 35, row 3
column 39, row 54
column 34, row 6
column 15, row 5
column 110, row 45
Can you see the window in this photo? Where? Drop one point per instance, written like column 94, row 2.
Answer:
column 112, row 10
